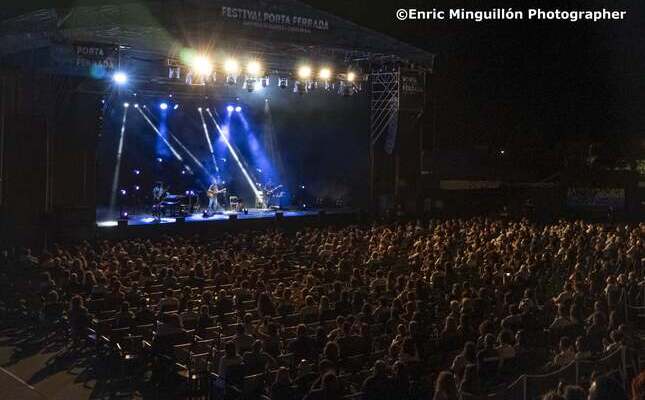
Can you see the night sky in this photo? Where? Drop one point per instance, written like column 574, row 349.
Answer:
column 505, row 84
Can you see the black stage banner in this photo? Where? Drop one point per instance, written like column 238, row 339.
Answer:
column 86, row 58
column 412, row 88
column 90, row 54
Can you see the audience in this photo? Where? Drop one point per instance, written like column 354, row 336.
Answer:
column 473, row 303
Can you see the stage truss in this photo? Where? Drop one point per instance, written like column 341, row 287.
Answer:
column 384, row 107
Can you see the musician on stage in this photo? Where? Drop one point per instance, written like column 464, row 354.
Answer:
column 213, row 191
column 269, row 194
column 158, row 194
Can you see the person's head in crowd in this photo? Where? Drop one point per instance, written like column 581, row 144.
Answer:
column 605, row 387
column 230, row 350
column 282, row 377
column 638, row 387
column 573, row 392
column 445, row 387
column 552, row 396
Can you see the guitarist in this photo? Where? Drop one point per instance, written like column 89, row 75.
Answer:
column 269, row 194
column 158, row 194
column 213, row 191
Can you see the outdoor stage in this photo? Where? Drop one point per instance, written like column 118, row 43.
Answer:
column 148, row 219
column 226, row 221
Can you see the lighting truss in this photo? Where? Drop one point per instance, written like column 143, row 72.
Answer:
column 384, row 102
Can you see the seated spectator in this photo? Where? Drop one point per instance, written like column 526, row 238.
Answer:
column 303, row 347
column 242, row 340
column 566, row 353
column 572, row 392
column 470, row 381
column 638, row 387
column 467, row 356
column 257, row 360
column 282, row 388
column 229, row 362
column 505, row 347
column 329, row 390
column 79, row 318
column 606, row 388
column 445, row 387
column 488, row 360
column 378, row 385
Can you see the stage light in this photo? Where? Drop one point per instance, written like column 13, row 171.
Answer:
column 137, row 188
column 202, row 65
column 136, row 105
column 126, row 104
column 137, row 172
column 283, row 83
column 254, row 68
column 238, row 109
column 163, row 106
column 304, row 72
column 199, row 109
column 176, row 106
column 123, row 192
column 229, row 108
column 231, row 66
column 325, row 74
column 351, row 76
column 159, row 159
column 120, row 78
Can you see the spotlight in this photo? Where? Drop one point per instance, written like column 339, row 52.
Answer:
column 123, row 192
column 253, row 68
column 283, row 83
column 351, row 76
column 231, row 66
column 304, row 72
column 325, row 74
column 202, row 65
column 159, row 159
column 126, row 104
column 124, row 215
column 136, row 105
column 163, row 106
column 199, row 109
column 238, row 109
column 229, row 108
column 137, row 172
column 137, row 188
column 176, row 106
column 120, row 78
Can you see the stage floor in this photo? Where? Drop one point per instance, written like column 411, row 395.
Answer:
column 147, row 219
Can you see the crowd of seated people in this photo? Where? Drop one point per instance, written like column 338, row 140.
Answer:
column 404, row 310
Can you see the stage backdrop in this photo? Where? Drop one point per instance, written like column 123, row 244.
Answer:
column 314, row 145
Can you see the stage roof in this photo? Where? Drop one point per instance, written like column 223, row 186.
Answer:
column 279, row 31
